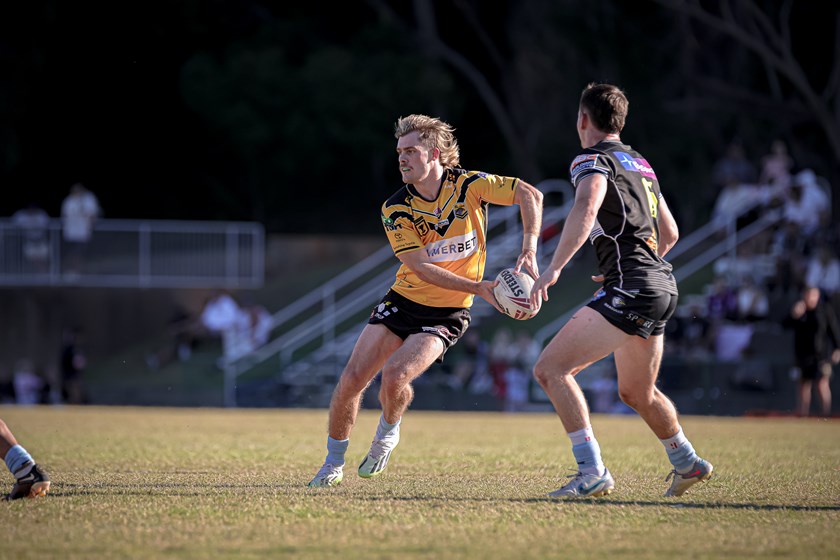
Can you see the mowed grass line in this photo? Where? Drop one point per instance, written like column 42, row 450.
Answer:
column 214, row 483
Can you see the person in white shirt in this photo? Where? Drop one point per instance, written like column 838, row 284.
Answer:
column 807, row 205
column 79, row 211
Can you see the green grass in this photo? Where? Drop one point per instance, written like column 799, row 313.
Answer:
column 202, row 483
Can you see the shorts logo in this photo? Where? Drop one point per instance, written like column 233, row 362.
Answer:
column 421, row 225
column 640, row 321
column 383, row 310
column 613, row 309
column 460, row 211
column 599, row 294
column 618, row 301
column 441, row 331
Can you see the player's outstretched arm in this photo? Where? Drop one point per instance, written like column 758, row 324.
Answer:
column 420, row 264
column 589, row 196
column 530, row 201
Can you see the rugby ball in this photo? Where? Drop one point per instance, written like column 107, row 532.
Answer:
column 513, row 294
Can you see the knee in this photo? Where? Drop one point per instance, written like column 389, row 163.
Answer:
column 544, row 372
column 353, row 380
column 634, row 397
column 393, row 380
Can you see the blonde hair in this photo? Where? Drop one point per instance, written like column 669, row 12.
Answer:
column 433, row 133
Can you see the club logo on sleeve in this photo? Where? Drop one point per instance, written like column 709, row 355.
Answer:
column 583, row 163
column 389, row 224
column 460, row 211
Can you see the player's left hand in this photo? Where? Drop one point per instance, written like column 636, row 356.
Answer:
column 528, row 259
column 835, row 356
column 539, row 292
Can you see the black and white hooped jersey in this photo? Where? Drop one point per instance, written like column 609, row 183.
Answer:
column 626, row 233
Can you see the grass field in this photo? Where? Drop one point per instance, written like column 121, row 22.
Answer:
column 214, row 483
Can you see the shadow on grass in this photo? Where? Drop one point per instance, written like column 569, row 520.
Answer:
column 609, row 502
column 181, row 489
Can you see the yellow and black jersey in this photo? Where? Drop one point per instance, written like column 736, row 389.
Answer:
column 452, row 229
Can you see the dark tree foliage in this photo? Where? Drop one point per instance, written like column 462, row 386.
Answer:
column 283, row 112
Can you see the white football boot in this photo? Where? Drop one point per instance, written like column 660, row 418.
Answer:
column 586, row 486
column 700, row 472
column 380, row 451
column 329, row 475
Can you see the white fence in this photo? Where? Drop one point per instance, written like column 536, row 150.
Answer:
column 135, row 253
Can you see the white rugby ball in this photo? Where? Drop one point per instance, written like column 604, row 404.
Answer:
column 513, row 294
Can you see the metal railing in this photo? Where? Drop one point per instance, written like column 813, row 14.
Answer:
column 135, row 253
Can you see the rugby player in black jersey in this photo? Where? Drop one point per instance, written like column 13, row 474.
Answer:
column 619, row 207
column 436, row 224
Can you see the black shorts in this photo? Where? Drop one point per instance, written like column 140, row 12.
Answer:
column 640, row 312
column 811, row 368
column 404, row 317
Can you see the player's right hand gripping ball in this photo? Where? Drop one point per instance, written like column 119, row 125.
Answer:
column 513, row 294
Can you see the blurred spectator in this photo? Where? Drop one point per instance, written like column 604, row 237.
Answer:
column 807, row 205
column 73, row 364
column 732, row 341
column 34, row 221
column 79, row 211
column 733, row 168
column 776, row 166
column 261, row 324
column 824, row 272
column 753, row 304
column 242, row 328
column 501, row 357
column 181, row 336
column 27, row 383
column 747, row 262
column 816, row 340
column 472, row 366
column 696, row 331
column 517, row 376
column 738, row 203
column 722, row 301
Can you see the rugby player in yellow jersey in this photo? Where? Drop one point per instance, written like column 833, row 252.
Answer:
column 436, row 224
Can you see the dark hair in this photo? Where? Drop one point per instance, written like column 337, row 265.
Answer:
column 606, row 106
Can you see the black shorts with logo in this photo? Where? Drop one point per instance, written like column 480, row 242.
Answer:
column 404, row 317
column 640, row 312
